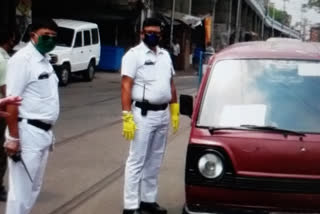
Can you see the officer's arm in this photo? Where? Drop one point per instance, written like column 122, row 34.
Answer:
column 17, row 79
column 3, row 90
column 173, row 92
column 126, row 87
column 12, row 120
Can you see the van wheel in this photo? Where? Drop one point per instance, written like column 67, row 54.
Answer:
column 184, row 211
column 88, row 74
column 64, row 75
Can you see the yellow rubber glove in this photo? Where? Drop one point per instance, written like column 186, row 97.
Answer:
column 129, row 126
column 174, row 110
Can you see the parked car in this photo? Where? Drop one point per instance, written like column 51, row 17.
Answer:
column 77, row 50
column 255, row 137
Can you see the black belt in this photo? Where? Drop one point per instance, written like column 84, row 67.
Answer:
column 37, row 123
column 151, row 107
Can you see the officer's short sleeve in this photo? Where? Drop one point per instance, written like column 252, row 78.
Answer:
column 3, row 68
column 171, row 63
column 129, row 64
column 17, row 76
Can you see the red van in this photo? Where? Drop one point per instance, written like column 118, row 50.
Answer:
column 255, row 135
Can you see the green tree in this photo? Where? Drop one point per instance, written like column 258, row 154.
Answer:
column 281, row 16
column 314, row 4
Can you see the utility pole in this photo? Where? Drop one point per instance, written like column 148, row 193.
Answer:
column 212, row 22
column 190, row 7
column 302, row 26
column 142, row 16
column 266, row 6
column 229, row 20
column 273, row 16
column 172, row 20
column 284, row 12
column 238, row 23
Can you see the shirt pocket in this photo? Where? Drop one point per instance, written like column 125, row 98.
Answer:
column 149, row 73
column 44, row 86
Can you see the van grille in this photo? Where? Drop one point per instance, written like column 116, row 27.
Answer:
column 259, row 184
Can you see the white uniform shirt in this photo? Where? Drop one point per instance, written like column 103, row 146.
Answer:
column 31, row 76
column 4, row 57
column 149, row 70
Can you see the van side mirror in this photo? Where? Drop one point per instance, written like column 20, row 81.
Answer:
column 186, row 105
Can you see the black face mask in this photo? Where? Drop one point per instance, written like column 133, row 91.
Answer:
column 151, row 39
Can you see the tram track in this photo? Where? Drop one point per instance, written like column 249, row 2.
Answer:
column 83, row 197
column 78, row 200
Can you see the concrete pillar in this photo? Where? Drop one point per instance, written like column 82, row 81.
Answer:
column 256, row 25
column 262, row 29
column 245, row 19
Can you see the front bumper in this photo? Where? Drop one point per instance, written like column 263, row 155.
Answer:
column 210, row 199
column 232, row 191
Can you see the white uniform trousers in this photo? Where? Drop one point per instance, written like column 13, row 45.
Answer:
column 23, row 193
column 145, row 157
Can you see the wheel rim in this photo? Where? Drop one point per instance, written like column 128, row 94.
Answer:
column 65, row 76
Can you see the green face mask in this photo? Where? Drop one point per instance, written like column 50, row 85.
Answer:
column 45, row 44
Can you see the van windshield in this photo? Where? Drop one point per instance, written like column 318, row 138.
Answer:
column 278, row 93
column 65, row 37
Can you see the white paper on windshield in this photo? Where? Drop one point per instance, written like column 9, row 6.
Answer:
column 236, row 115
column 309, row 69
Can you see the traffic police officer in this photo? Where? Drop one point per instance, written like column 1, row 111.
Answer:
column 29, row 133
column 6, row 45
column 147, row 88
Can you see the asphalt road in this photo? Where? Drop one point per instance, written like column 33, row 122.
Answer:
column 85, row 172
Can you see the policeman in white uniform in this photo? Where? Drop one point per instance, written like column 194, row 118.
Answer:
column 31, row 76
column 147, row 91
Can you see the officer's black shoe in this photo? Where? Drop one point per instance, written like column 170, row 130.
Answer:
column 3, row 194
column 126, row 211
column 151, row 208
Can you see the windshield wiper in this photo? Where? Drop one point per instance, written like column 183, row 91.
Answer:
column 285, row 132
column 213, row 129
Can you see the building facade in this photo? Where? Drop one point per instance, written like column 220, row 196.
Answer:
column 315, row 33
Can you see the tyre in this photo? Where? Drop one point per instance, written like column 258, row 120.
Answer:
column 184, row 210
column 64, row 75
column 88, row 74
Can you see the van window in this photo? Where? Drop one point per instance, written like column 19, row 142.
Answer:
column 95, row 37
column 87, row 40
column 78, row 42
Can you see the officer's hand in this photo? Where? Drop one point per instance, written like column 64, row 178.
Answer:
column 12, row 147
column 174, row 110
column 129, row 126
column 10, row 100
column 4, row 114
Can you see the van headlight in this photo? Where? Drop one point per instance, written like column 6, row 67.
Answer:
column 53, row 58
column 211, row 165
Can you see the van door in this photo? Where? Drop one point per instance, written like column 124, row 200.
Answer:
column 87, row 49
column 95, row 45
column 77, row 56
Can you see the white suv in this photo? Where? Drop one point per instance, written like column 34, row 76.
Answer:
column 77, row 49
